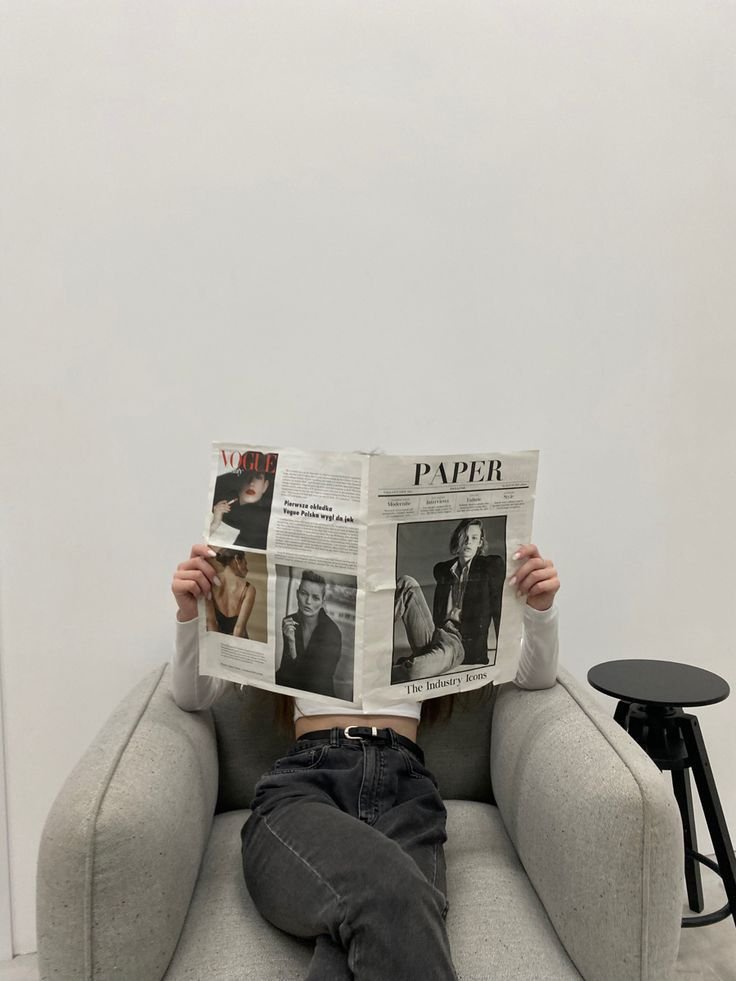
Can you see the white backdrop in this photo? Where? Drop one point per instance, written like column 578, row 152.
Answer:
column 415, row 225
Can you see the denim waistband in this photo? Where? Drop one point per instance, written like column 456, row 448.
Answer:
column 351, row 735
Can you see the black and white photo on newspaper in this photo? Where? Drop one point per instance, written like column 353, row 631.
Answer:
column 380, row 578
column 316, row 644
column 459, row 568
column 440, row 613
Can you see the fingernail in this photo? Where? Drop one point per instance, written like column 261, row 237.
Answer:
column 216, row 581
column 512, row 580
column 517, row 555
column 212, row 555
column 519, row 594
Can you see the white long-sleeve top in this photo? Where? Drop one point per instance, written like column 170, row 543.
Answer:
column 194, row 691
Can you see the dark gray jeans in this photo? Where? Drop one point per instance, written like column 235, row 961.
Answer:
column 345, row 845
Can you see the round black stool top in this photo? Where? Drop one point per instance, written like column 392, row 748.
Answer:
column 658, row 682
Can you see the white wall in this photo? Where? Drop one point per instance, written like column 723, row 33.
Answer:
column 415, row 225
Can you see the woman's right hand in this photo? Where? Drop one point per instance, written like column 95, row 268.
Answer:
column 219, row 511
column 192, row 579
column 288, row 628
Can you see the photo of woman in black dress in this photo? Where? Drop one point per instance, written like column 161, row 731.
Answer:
column 231, row 605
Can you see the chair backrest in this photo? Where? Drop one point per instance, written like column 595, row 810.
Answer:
column 456, row 750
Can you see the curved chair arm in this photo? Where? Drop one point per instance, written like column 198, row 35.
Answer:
column 596, row 827
column 122, row 845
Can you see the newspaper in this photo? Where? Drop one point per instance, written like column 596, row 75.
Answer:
column 361, row 580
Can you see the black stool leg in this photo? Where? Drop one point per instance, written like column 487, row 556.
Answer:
column 706, row 785
column 621, row 713
column 683, row 794
column 637, row 727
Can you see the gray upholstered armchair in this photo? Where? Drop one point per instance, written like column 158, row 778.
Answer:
column 575, row 872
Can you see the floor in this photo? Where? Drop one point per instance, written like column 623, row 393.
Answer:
column 706, row 953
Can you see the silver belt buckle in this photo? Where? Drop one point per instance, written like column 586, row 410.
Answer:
column 346, row 730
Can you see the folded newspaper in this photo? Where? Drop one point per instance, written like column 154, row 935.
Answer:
column 364, row 579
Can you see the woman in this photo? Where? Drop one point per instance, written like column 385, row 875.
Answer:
column 467, row 600
column 242, row 502
column 232, row 597
column 344, row 843
column 312, row 640
column 468, row 590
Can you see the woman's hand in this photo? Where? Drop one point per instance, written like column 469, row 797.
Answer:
column 288, row 628
column 536, row 578
column 220, row 509
column 192, row 579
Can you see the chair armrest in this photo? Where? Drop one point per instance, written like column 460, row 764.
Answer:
column 596, row 826
column 122, row 845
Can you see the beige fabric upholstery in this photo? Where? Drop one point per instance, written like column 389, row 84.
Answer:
column 498, row 927
column 576, row 873
column 596, row 827
column 122, row 845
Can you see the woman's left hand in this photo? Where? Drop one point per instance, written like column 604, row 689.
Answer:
column 536, row 579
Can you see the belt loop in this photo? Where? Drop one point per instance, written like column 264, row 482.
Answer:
column 335, row 737
column 393, row 738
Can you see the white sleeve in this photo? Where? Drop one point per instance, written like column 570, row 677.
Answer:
column 192, row 691
column 539, row 649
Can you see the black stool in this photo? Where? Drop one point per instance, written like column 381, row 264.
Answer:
column 651, row 695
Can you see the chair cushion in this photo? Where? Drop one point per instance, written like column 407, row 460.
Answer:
column 498, row 928
column 224, row 938
column 457, row 751
column 247, row 743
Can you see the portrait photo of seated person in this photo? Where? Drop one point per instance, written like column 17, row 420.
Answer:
column 466, row 604
column 312, row 641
